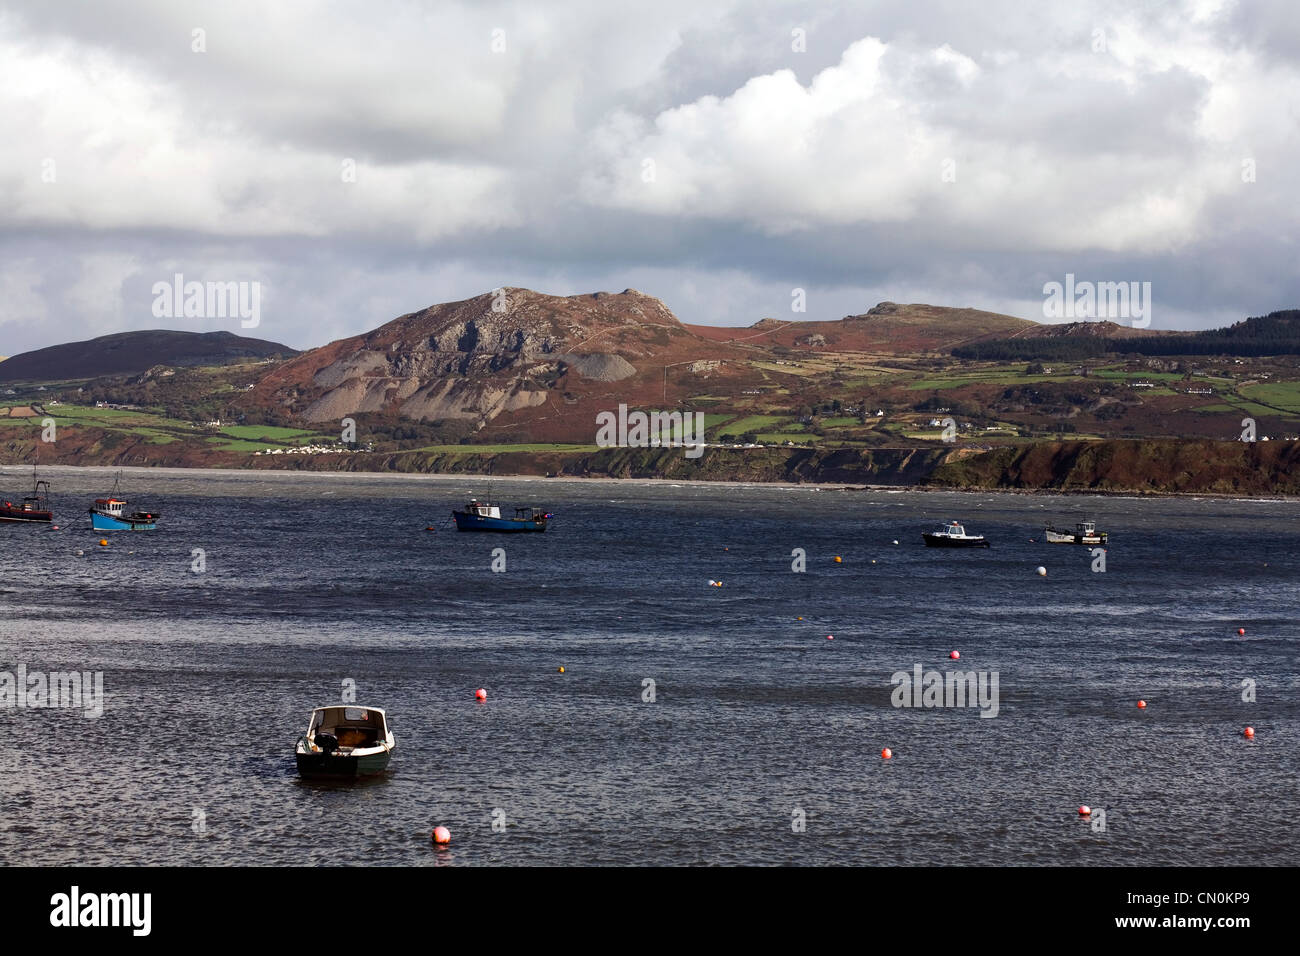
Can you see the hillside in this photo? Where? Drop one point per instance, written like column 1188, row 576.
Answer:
column 888, row 327
column 504, row 359
column 130, row 353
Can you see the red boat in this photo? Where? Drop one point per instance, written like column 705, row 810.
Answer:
column 34, row 508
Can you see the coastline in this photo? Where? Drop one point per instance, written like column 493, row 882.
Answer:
column 21, row 470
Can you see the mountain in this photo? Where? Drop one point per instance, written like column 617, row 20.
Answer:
column 130, row 353
column 499, row 353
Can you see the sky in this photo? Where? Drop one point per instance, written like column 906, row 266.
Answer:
column 361, row 161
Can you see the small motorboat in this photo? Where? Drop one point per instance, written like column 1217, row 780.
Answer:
column 953, row 536
column 35, row 507
column 345, row 741
column 482, row 516
column 110, row 514
column 1085, row 532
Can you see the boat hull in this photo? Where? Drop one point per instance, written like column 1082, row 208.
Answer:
column 1069, row 537
column 336, row 766
column 948, row 541
column 103, row 522
column 17, row 516
column 465, row 521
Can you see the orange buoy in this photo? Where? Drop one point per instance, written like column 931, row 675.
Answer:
column 886, row 753
column 955, row 656
column 838, row 559
column 481, row 694
column 1142, row 705
column 1085, row 811
column 560, row 669
column 441, row 835
column 103, row 542
column 1249, row 732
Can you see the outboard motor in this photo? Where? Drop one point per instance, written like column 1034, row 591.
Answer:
column 327, row 742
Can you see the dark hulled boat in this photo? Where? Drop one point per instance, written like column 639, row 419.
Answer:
column 482, row 516
column 35, row 508
column 953, row 536
column 345, row 741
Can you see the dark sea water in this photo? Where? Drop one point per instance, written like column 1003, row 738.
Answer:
column 311, row 580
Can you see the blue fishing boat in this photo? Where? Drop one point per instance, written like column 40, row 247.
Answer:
column 482, row 516
column 110, row 514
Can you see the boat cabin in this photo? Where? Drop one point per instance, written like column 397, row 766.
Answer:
column 351, row 726
column 110, row 506
column 953, row 530
column 483, row 510
column 1086, row 527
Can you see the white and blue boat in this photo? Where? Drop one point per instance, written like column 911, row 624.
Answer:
column 110, row 514
column 482, row 516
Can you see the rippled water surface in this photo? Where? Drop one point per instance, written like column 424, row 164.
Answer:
column 757, row 717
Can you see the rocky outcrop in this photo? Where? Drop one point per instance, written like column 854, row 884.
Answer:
column 497, row 353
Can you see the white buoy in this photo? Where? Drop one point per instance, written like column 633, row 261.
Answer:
column 1042, row 571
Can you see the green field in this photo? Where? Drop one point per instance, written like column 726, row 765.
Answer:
column 753, row 423
column 1284, row 395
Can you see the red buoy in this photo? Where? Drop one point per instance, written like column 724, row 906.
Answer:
column 1241, row 631
column 1249, row 733
column 1142, row 705
column 481, row 694
column 830, row 637
column 886, row 753
column 441, row 835
column 955, row 656
column 1085, row 811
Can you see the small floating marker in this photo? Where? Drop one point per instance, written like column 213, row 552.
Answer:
column 895, row 541
column 1142, row 705
column 955, row 656
column 1249, row 733
column 103, row 542
column 1241, row 632
column 560, row 669
column 873, row 560
column 886, row 753
column 838, row 559
column 480, row 694
column 441, row 835
column 798, row 619
column 430, row 528
column 1085, row 811
column 1041, row 571
column 79, row 551
column 830, row 637
column 54, row 527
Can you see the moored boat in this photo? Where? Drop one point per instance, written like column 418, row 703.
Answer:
column 953, row 536
column 345, row 741
column 1085, row 532
column 110, row 514
column 482, row 516
column 34, row 509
